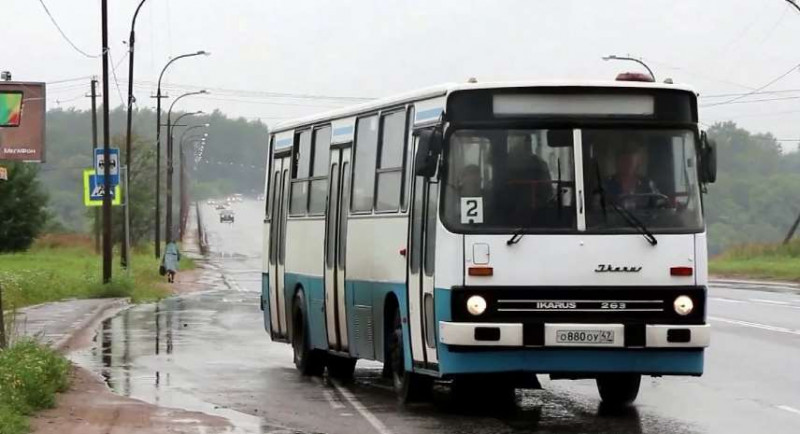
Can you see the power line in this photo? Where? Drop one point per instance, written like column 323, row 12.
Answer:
column 64, row 35
column 114, row 74
column 251, row 93
column 770, row 83
column 793, row 3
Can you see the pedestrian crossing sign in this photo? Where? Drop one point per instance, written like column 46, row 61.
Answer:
column 93, row 190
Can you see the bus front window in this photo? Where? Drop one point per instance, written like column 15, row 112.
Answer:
column 652, row 174
column 501, row 180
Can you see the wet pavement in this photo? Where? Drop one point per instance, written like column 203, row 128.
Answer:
column 208, row 352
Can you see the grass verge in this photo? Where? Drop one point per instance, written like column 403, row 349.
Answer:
column 763, row 261
column 66, row 266
column 30, row 377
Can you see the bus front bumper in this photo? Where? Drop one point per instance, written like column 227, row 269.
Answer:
column 576, row 335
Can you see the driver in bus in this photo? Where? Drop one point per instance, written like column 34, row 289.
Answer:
column 630, row 187
column 530, row 189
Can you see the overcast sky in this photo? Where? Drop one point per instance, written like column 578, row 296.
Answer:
column 360, row 48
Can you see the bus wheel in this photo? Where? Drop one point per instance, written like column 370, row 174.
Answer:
column 409, row 386
column 341, row 368
column 307, row 361
column 618, row 389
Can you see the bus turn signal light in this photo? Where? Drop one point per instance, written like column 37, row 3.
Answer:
column 681, row 271
column 481, row 271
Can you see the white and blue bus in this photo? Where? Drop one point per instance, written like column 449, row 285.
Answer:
column 493, row 231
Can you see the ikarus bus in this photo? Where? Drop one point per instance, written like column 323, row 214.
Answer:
column 493, row 231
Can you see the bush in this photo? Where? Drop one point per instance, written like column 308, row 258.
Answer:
column 30, row 376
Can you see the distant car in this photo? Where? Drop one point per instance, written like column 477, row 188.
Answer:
column 260, row 198
column 211, row 201
column 220, row 206
column 226, row 216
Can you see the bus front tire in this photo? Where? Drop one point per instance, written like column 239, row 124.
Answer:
column 618, row 390
column 308, row 362
column 409, row 386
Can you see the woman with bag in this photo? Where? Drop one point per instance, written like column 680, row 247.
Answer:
column 170, row 261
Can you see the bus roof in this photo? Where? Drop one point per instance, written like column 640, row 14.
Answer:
column 447, row 88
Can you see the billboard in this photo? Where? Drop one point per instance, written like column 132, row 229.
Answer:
column 22, row 121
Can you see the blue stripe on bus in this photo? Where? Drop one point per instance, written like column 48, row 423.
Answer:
column 686, row 362
column 428, row 114
column 343, row 130
column 370, row 296
column 282, row 143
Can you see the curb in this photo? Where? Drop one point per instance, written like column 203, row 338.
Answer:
column 98, row 313
column 757, row 285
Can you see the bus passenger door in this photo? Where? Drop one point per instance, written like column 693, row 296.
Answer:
column 422, row 236
column 277, row 248
column 335, row 248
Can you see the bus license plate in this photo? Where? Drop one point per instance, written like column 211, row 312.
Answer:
column 585, row 337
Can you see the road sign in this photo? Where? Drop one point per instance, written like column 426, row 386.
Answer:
column 3, row 174
column 93, row 190
column 99, row 164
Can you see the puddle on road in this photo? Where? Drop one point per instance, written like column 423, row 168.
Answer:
column 156, row 352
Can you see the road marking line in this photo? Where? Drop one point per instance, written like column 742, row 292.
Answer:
column 761, row 300
column 377, row 424
column 335, row 404
column 789, row 409
column 756, row 325
column 726, row 300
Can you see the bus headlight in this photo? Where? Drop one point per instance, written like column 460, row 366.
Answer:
column 476, row 305
column 683, row 305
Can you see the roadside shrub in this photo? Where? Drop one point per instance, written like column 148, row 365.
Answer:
column 30, row 376
column 12, row 422
column 119, row 286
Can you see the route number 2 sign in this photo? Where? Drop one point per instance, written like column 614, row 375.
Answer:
column 471, row 210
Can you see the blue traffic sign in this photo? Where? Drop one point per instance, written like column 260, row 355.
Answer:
column 99, row 164
column 96, row 188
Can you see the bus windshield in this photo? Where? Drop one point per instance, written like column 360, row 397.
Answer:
column 502, row 181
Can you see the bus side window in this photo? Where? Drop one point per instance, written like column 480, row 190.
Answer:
column 364, row 165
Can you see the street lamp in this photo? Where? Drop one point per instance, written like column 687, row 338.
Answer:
column 170, row 126
column 126, row 223
column 158, row 146
column 632, row 59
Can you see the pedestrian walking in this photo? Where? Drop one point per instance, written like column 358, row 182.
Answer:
column 171, row 258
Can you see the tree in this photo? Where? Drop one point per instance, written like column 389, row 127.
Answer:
column 23, row 212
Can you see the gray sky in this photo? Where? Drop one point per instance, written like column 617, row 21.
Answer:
column 375, row 48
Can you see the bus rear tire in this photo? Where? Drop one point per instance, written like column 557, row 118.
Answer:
column 308, row 362
column 341, row 368
column 618, row 390
column 409, row 386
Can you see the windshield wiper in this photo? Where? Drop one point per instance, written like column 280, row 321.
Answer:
column 626, row 215
column 515, row 236
column 636, row 223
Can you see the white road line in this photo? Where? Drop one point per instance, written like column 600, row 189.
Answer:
column 756, row 325
column 789, row 409
column 761, row 300
column 377, row 424
column 726, row 300
column 335, row 404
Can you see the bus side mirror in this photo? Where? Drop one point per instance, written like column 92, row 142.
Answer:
column 428, row 149
column 708, row 161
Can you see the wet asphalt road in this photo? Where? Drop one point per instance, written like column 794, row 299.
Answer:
column 208, row 352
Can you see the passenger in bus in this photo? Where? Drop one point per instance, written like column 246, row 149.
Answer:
column 470, row 184
column 530, row 187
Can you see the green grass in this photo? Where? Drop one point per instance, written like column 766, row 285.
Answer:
column 65, row 267
column 764, row 261
column 30, row 377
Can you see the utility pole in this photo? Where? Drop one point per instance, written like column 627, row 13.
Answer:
column 107, row 241
column 2, row 322
column 792, row 230
column 126, row 222
column 93, row 95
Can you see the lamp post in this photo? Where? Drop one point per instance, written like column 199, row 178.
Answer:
column 632, row 59
column 126, row 223
column 168, row 220
column 183, row 195
column 158, row 146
